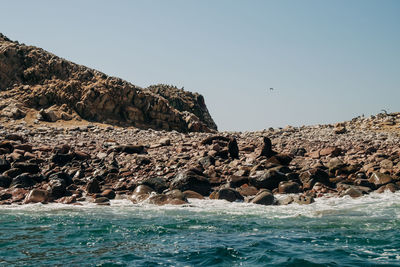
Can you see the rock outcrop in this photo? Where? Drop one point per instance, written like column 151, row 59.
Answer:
column 40, row 80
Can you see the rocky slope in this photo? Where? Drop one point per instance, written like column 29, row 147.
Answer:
column 48, row 162
column 31, row 77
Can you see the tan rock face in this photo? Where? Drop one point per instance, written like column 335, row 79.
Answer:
column 40, row 79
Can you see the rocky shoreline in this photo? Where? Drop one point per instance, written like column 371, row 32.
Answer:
column 64, row 163
column 160, row 144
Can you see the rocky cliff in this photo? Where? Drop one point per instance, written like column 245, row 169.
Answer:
column 35, row 78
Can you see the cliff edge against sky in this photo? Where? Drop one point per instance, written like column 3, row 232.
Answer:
column 31, row 77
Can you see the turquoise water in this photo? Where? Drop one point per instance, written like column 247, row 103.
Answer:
column 330, row 232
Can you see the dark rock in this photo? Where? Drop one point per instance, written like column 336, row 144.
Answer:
column 228, row 194
column 207, row 161
column 7, row 145
column 108, row 193
column 27, row 167
column 23, row 180
column 57, row 188
column 80, row 155
column 312, row 176
column 61, row 176
column 224, row 154
column 62, row 159
column 364, row 182
column 159, row 184
column 143, row 161
column 62, row 149
column 236, row 181
column 4, row 165
column 288, row 187
column 268, row 179
column 189, row 180
column 129, row 149
column 281, row 159
column 340, row 130
column 233, row 148
column 5, row 181
column 5, row 195
column 13, row 172
column 264, row 197
column 93, row 186
column 4, row 151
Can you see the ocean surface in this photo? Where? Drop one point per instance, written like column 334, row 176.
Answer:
column 329, row 232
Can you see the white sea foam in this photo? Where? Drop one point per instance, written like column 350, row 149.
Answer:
column 372, row 205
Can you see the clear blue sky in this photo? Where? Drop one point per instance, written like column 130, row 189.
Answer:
column 328, row 61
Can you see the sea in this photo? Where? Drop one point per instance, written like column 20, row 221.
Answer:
column 330, row 232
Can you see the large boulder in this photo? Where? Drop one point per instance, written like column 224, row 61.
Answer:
column 335, row 164
column 380, row 179
column 108, row 193
column 93, row 186
column 268, row 179
column 58, row 188
column 58, row 183
column 228, row 194
column 312, row 176
column 189, row 180
column 141, row 193
column 159, row 184
column 289, row 187
column 264, row 197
